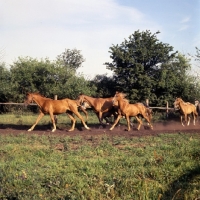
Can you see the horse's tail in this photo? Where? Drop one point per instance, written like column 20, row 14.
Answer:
column 149, row 112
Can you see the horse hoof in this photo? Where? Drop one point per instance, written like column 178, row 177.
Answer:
column 29, row 130
column 53, row 130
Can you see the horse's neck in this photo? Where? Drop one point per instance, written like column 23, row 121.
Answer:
column 39, row 100
column 122, row 103
column 183, row 104
column 90, row 100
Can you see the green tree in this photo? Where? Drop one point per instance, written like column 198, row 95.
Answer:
column 71, row 59
column 197, row 56
column 46, row 77
column 174, row 80
column 146, row 68
column 5, row 79
column 31, row 75
column 105, row 85
column 72, row 83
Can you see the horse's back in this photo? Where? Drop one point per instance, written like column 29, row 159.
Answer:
column 188, row 108
column 132, row 109
column 144, row 110
column 60, row 106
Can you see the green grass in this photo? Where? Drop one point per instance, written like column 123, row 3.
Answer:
column 29, row 119
column 162, row 167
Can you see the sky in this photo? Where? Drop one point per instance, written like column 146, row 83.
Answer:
column 45, row 28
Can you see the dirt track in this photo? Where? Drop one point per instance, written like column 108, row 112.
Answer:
column 97, row 130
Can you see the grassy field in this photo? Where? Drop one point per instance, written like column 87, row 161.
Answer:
column 165, row 167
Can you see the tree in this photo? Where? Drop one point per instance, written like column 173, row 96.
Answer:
column 146, row 68
column 71, row 59
column 68, row 62
column 174, row 80
column 105, row 85
column 197, row 56
column 5, row 79
column 47, row 78
column 31, row 75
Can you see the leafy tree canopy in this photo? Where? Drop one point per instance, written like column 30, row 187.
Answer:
column 46, row 77
column 146, row 68
column 105, row 85
column 71, row 59
column 5, row 80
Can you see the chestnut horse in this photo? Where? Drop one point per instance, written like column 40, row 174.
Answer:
column 185, row 109
column 105, row 116
column 103, row 107
column 130, row 110
column 55, row 107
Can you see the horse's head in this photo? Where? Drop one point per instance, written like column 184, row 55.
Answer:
column 85, row 105
column 80, row 99
column 118, row 96
column 177, row 103
column 29, row 99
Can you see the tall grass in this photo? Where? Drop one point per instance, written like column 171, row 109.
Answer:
column 51, row 167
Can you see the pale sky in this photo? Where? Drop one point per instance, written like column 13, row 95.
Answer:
column 45, row 28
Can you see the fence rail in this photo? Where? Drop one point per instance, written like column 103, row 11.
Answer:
column 34, row 104
column 22, row 104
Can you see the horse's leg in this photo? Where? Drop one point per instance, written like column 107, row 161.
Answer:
column 97, row 114
column 53, row 121
column 116, row 122
column 148, row 121
column 194, row 118
column 101, row 118
column 105, row 116
column 128, row 122
column 85, row 112
column 140, row 122
column 182, row 121
column 82, row 120
column 73, row 121
column 37, row 120
column 187, row 119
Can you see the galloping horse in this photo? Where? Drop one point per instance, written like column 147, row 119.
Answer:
column 130, row 110
column 185, row 109
column 54, row 107
column 103, row 107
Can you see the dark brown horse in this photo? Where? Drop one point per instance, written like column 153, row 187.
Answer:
column 186, row 109
column 55, row 107
column 130, row 110
column 103, row 107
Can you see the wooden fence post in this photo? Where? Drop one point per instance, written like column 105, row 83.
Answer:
column 147, row 102
column 167, row 109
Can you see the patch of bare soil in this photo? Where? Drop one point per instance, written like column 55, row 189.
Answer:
column 98, row 130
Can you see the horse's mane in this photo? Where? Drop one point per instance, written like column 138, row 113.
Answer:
column 38, row 94
column 125, row 100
